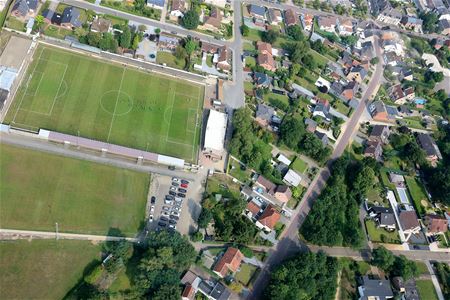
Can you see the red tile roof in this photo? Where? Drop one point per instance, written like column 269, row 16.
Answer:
column 436, row 223
column 253, row 208
column 269, row 217
column 230, row 261
column 291, row 17
column 188, row 292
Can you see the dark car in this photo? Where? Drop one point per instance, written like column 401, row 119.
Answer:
column 162, row 224
column 175, row 183
column 182, row 190
column 173, row 217
column 181, row 195
column 153, row 200
column 169, row 197
column 184, row 181
column 164, row 218
column 172, row 193
column 171, row 168
column 172, row 222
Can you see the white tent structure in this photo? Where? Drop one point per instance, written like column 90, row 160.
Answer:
column 215, row 134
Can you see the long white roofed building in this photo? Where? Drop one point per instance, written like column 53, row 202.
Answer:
column 215, row 134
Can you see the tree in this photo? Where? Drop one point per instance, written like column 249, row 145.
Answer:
column 439, row 183
column 349, row 40
column 38, row 22
column 180, row 52
column 93, row 39
column 383, row 258
column 430, row 20
column 413, row 153
column 125, row 37
column 340, row 9
column 204, row 218
column 108, row 42
column 142, row 28
column 295, row 32
column 405, row 268
column 291, row 131
column 190, row 20
column 190, row 45
column 363, row 182
column 136, row 41
column 374, row 61
column 316, row 4
column 270, row 36
column 245, row 30
column 80, row 32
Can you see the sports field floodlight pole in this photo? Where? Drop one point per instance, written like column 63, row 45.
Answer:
column 56, row 225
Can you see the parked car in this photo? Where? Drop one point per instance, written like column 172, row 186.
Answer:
column 178, row 200
column 172, row 222
column 184, row 181
column 150, row 218
column 174, row 217
column 175, row 213
column 182, row 190
column 176, row 208
column 175, row 184
column 173, row 188
column 162, row 224
column 152, row 208
column 169, row 202
column 166, row 208
column 169, row 197
column 181, row 195
column 165, row 213
column 153, row 200
column 184, row 185
column 174, row 179
column 164, row 218
column 172, row 226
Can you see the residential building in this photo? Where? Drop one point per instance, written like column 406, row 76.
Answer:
column 214, row 290
column 292, row 178
column 400, row 95
column 209, row 48
column 345, row 27
column 390, row 16
column 380, row 133
column 283, row 193
column 307, row 21
column 435, row 224
column 70, row 18
column 257, row 12
column 328, row 23
column 409, row 223
column 229, row 262
column 444, row 26
column 24, row 8
column 178, row 8
column 214, row 21
column 265, row 58
column 396, row 179
column 430, row 147
column 264, row 114
column 378, row 111
column 357, row 73
column 291, row 18
column 349, row 91
column 311, row 125
column 268, row 218
column 188, row 292
column 322, row 109
column 223, row 61
column 100, row 25
column 374, row 149
column 275, row 16
column 267, row 185
column 412, row 23
column 261, row 80
column 168, row 42
column 375, row 289
column 383, row 216
column 377, row 6
column 322, row 137
column 158, row 4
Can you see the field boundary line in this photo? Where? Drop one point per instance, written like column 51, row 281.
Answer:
column 59, row 89
column 199, row 100
column 26, row 89
column 115, row 106
column 39, row 83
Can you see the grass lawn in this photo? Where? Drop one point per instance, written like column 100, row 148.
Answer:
column 342, row 108
column 216, row 250
column 129, row 8
column 250, row 61
column 248, row 86
column 422, row 267
column 394, row 162
column 350, row 270
column 253, row 35
column 248, row 46
column 170, row 60
column 279, row 228
column 418, row 195
column 79, row 95
column 245, row 274
column 236, row 170
column 426, row 289
column 43, row 269
column 57, row 32
column 299, row 165
column 15, row 24
column 375, row 234
column 269, row 97
column 221, row 184
column 81, row 196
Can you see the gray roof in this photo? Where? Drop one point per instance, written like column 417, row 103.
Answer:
column 261, row 78
column 302, row 91
column 159, row 3
column 376, row 287
column 378, row 130
column 23, row 6
column 215, row 291
column 71, row 15
column 387, row 219
column 322, row 137
column 257, row 10
column 427, row 143
column 264, row 112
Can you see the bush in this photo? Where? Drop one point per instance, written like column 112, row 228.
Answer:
column 246, row 251
column 197, row 236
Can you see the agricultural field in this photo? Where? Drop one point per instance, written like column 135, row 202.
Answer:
column 80, row 196
column 83, row 96
column 43, row 269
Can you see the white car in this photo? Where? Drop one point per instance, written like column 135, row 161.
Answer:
column 150, row 219
column 173, row 188
column 166, row 208
column 152, row 208
column 174, row 179
column 165, row 213
column 178, row 200
column 170, row 202
column 172, row 226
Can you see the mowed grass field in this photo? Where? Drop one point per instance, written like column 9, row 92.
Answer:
column 43, row 269
column 38, row 189
column 79, row 95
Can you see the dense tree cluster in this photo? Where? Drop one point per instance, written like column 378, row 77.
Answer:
column 394, row 265
column 294, row 135
column 443, row 272
column 333, row 219
column 190, row 19
column 306, row 276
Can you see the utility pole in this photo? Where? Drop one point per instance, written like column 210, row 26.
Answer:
column 56, row 227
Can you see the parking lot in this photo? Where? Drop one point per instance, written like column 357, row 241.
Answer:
column 176, row 204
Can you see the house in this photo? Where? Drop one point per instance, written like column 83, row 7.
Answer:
column 24, row 8
column 261, row 80
column 400, row 95
column 328, row 23
column 392, row 59
column 349, row 91
column 301, row 91
column 158, row 4
column 444, row 26
column 311, row 125
column 214, row 290
column 265, row 58
column 168, row 42
column 383, row 216
column 379, row 289
column 404, row 111
column 268, row 218
column 412, row 23
column 188, row 292
column 307, row 21
column 380, row 133
column 214, row 21
column 427, row 143
column 378, row 111
column 267, row 185
column 214, row 138
column 275, row 16
column 292, row 178
column 209, row 48
column 257, row 12
column 409, row 222
column 283, row 193
column 223, row 61
column 178, row 8
column 322, row 137
column 264, row 114
column 254, row 208
column 291, row 18
column 357, row 73
column 322, row 109
column 229, row 262
column 100, row 25
column 345, row 27
column 406, row 74
column 390, row 16
column 435, row 223
column 70, row 18
column 367, row 51
column 373, row 149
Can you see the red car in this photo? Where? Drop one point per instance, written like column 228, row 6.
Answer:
column 184, row 185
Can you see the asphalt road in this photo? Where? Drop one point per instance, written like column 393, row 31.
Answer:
column 290, row 243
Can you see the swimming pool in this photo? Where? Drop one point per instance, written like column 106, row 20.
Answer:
column 420, row 101
column 403, row 196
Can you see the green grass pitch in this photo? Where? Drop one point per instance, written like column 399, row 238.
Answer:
column 79, row 95
column 81, row 196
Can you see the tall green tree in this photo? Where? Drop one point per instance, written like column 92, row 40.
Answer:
column 125, row 37
column 383, row 258
column 190, row 20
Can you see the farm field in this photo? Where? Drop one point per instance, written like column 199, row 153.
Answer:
column 43, row 269
column 79, row 95
column 80, row 196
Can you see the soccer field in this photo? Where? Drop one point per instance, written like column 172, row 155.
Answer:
column 79, row 95
column 38, row 190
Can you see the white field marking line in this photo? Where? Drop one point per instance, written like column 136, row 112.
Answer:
column 59, row 89
column 35, row 112
column 171, row 111
column 39, row 83
column 25, row 125
column 199, row 100
column 195, row 125
column 115, row 106
column 53, row 62
column 26, row 89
